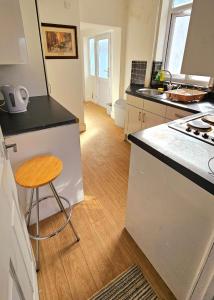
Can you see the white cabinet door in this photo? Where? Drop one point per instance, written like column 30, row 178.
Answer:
column 205, row 286
column 17, row 267
column 171, row 220
column 13, row 48
column 133, row 119
column 198, row 54
column 150, row 119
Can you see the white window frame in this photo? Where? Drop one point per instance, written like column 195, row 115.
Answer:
column 97, row 38
column 181, row 10
column 95, row 55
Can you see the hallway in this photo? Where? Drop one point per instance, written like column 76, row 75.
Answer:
column 105, row 249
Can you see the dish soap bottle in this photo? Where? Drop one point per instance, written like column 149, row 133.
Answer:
column 162, row 76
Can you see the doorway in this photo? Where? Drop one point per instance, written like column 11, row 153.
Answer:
column 101, row 53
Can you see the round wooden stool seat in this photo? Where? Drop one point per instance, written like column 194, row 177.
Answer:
column 38, row 171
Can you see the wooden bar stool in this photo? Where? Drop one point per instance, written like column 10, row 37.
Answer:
column 37, row 172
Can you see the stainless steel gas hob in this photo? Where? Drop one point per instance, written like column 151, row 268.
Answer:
column 199, row 126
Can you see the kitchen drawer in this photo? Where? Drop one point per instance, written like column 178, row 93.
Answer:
column 173, row 113
column 150, row 119
column 156, row 108
column 135, row 101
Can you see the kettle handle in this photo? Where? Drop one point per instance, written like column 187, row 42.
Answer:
column 22, row 88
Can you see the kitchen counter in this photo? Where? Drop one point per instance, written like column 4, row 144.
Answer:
column 203, row 106
column 47, row 127
column 185, row 154
column 43, row 112
column 170, row 207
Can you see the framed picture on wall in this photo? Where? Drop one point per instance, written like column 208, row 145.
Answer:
column 59, row 41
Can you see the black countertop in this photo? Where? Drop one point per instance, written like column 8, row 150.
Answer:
column 43, row 112
column 202, row 106
column 186, row 155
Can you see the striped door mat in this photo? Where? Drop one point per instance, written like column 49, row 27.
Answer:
column 130, row 285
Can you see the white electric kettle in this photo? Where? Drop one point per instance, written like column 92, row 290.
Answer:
column 16, row 98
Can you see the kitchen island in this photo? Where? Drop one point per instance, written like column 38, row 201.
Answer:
column 171, row 207
column 46, row 128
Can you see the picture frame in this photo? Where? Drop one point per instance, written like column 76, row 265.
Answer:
column 59, row 41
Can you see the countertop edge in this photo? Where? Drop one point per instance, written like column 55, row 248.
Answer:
column 42, row 127
column 197, row 179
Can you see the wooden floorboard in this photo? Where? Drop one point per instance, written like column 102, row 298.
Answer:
column 105, row 249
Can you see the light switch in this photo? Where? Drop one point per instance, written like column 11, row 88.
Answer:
column 67, row 4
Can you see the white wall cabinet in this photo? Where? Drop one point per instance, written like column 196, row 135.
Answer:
column 198, row 55
column 142, row 114
column 13, row 48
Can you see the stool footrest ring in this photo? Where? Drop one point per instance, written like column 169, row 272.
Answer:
column 59, row 229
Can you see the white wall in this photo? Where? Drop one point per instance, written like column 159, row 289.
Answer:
column 31, row 74
column 64, row 75
column 111, row 12
column 143, row 23
column 116, row 39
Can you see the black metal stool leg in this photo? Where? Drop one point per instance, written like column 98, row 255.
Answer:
column 30, row 208
column 63, row 209
column 37, row 230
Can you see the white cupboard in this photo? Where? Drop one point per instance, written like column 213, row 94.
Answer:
column 142, row 114
column 13, row 48
column 171, row 220
column 133, row 119
column 198, row 54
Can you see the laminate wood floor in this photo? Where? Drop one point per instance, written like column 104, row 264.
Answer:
column 105, row 249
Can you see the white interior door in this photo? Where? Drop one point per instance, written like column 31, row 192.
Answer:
column 100, row 69
column 103, row 46
column 17, row 268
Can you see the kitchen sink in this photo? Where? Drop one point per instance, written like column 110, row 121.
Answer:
column 149, row 92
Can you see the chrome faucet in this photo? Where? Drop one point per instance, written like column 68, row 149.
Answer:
column 170, row 85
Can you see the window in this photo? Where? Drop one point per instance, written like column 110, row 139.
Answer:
column 103, row 58
column 181, row 2
column 177, row 35
column 92, row 67
column 99, row 56
column 179, row 29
